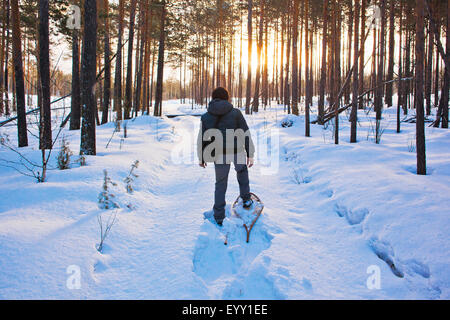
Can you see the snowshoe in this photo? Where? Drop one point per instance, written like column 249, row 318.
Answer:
column 249, row 215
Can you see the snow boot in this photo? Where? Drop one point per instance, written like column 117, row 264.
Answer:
column 247, row 203
column 219, row 221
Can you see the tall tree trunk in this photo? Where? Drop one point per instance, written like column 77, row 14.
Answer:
column 443, row 103
column 283, row 30
column 390, row 72
column 349, row 50
column 75, row 104
column 380, row 74
column 88, row 78
column 2, row 56
column 420, row 128
column 355, row 91
column 118, row 69
column 255, row 103
column 323, row 71
column 400, row 69
column 265, row 88
column 362, row 45
column 5, row 74
column 337, row 69
column 295, row 59
column 159, row 78
column 107, row 53
column 240, row 68
column 45, row 126
column 287, row 92
column 307, row 68
column 429, row 66
column 143, row 22
column 436, row 76
column 128, row 87
column 249, row 61
column 18, row 73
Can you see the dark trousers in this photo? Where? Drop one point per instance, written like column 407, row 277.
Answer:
column 222, row 171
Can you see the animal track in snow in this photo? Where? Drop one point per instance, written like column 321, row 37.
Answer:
column 385, row 252
column 417, row 267
column 327, row 193
column 353, row 216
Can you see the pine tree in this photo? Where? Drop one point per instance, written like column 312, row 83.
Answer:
column 75, row 104
column 249, row 61
column 128, row 86
column 118, row 69
column 355, row 91
column 160, row 72
column 18, row 73
column 107, row 53
column 88, row 78
column 45, row 138
column 419, row 69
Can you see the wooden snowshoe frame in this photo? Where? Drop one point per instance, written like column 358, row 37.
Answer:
column 257, row 212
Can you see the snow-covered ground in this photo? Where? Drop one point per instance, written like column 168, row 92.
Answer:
column 351, row 221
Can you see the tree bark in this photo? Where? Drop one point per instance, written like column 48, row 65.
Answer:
column 18, row 73
column 308, row 79
column 249, row 61
column 420, row 128
column 443, row 103
column 128, row 86
column 2, row 55
column 107, row 53
column 75, row 104
column 255, row 103
column 118, row 69
column 159, row 78
column 45, row 126
column 355, row 91
column 380, row 74
column 323, row 71
column 88, row 78
column 295, row 59
column 390, row 72
column 362, row 45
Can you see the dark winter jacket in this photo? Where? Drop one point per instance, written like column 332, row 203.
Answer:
column 222, row 116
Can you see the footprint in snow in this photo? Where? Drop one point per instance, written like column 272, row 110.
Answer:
column 215, row 262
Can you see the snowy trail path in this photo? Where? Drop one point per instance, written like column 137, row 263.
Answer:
column 300, row 247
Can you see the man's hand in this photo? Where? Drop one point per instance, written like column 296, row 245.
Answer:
column 202, row 164
column 250, row 162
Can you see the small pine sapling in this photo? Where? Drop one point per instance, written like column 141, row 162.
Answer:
column 64, row 155
column 82, row 160
column 105, row 198
column 130, row 178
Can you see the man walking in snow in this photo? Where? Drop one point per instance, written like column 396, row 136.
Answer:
column 224, row 137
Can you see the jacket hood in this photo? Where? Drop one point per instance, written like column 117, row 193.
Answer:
column 219, row 107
